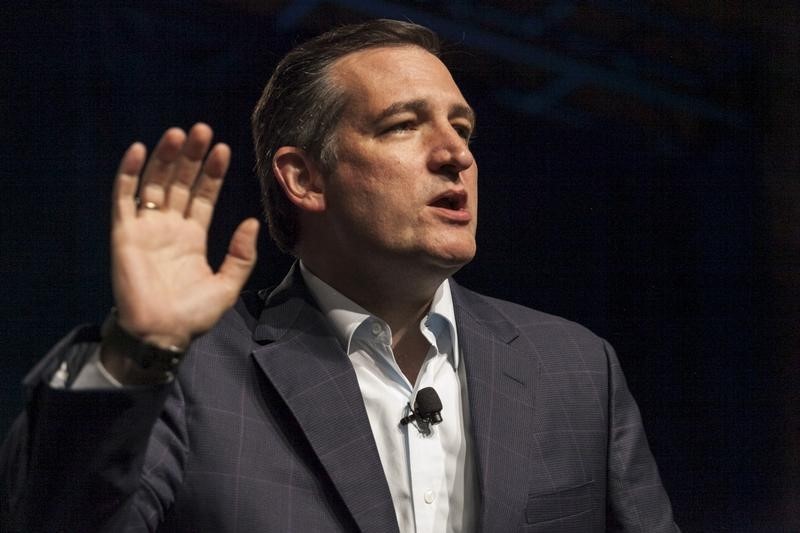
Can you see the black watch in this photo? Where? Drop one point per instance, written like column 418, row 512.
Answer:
column 146, row 355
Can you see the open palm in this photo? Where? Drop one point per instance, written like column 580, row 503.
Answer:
column 166, row 293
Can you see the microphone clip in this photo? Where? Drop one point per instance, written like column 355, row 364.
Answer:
column 427, row 411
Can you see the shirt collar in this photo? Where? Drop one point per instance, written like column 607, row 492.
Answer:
column 344, row 315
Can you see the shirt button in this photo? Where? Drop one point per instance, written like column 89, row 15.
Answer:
column 429, row 496
column 376, row 328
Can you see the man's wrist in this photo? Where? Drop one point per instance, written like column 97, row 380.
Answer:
column 131, row 359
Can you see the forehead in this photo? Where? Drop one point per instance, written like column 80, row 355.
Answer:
column 378, row 77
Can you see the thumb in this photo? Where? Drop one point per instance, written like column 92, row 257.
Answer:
column 241, row 256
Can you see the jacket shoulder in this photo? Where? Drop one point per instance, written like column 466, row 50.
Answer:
column 485, row 307
column 550, row 336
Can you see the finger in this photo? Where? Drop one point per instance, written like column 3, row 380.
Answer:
column 187, row 166
column 208, row 185
column 123, row 196
column 159, row 168
column 241, row 256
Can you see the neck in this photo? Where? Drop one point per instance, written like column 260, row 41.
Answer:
column 392, row 297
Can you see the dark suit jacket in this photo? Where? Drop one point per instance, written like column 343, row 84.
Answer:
column 264, row 430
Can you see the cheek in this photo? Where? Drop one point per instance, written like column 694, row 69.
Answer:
column 389, row 184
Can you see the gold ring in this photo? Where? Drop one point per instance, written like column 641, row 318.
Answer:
column 150, row 205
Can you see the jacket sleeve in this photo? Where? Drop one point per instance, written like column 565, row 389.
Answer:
column 91, row 459
column 636, row 499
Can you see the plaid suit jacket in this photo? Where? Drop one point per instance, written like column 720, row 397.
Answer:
column 265, row 430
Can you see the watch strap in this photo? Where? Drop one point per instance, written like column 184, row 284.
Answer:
column 146, row 355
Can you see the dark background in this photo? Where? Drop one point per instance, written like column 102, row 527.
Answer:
column 639, row 174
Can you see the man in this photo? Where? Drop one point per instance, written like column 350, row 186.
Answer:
column 285, row 412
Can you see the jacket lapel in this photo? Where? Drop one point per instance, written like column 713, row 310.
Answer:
column 500, row 384
column 305, row 363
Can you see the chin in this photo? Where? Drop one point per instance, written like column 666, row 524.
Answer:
column 453, row 259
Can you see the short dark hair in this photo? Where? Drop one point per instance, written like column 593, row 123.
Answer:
column 301, row 106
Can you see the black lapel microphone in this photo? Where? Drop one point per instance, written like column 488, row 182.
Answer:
column 427, row 410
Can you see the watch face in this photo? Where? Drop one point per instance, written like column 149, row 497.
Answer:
column 155, row 357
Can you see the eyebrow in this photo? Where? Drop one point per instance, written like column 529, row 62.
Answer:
column 421, row 106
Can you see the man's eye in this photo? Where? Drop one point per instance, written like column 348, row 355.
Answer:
column 400, row 127
column 464, row 132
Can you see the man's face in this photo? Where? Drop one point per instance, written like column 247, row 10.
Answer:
column 405, row 182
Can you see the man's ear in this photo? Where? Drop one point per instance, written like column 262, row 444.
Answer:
column 300, row 178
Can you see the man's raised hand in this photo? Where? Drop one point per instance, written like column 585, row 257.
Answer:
column 165, row 290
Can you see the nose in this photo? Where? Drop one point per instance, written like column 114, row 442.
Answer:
column 450, row 154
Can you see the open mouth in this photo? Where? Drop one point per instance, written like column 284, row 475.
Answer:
column 453, row 200
column 451, row 206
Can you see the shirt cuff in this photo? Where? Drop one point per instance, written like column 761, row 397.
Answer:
column 93, row 375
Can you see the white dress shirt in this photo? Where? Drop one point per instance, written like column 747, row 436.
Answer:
column 431, row 478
